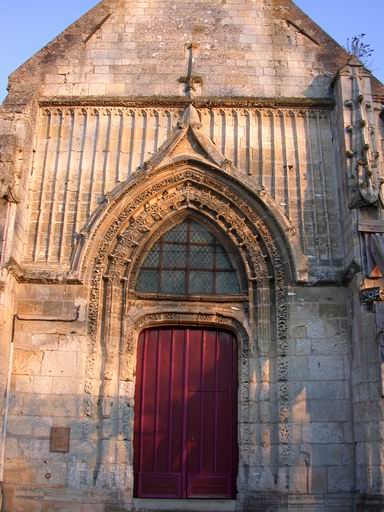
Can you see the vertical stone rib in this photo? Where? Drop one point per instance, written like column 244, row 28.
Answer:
column 156, row 131
column 63, row 219
column 235, row 117
column 259, row 164
column 119, row 146
column 312, row 186
column 285, row 168
column 50, row 228
column 144, row 130
column 324, row 186
column 171, row 121
column 212, row 125
column 223, row 138
column 124, row 146
column 68, row 219
column 105, row 138
column 217, row 127
column 112, row 156
column 273, row 156
column 150, row 137
column 248, row 115
column 132, row 133
column 163, row 124
column 79, row 214
column 266, row 141
column 92, row 174
column 299, row 185
column 41, row 185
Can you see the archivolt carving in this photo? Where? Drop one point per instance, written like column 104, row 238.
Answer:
column 150, row 211
column 129, row 345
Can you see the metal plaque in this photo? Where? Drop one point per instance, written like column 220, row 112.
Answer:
column 60, row 439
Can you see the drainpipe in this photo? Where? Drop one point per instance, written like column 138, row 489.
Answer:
column 9, row 377
column 6, row 408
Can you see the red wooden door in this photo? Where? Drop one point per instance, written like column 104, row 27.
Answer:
column 185, row 440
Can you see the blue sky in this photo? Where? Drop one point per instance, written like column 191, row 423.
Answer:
column 27, row 25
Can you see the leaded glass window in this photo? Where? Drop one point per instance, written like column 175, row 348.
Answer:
column 188, row 260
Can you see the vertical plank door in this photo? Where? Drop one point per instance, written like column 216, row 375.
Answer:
column 185, row 441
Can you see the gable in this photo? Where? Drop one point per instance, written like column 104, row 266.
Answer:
column 131, row 49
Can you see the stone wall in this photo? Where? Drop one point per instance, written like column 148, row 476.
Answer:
column 245, row 49
column 47, row 390
column 276, row 150
column 320, row 395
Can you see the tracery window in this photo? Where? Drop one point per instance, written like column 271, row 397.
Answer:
column 188, row 260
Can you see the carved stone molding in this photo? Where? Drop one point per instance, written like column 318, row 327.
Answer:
column 137, row 193
column 178, row 101
column 148, row 212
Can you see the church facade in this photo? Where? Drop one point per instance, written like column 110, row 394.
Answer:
column 192, row 250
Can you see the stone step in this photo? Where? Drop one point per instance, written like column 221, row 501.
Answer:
column 187, row 505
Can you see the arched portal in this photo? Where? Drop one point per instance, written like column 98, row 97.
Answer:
column 121, row 242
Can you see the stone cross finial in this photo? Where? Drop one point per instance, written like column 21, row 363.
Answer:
column 191, row 81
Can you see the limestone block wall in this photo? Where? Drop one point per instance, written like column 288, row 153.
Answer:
column 83, row 153
column 48, row 390
column 319, row 392
column 47, row 387
column 245, row 49
column 368, row 401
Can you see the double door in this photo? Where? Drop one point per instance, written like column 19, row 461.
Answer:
column 185, row 438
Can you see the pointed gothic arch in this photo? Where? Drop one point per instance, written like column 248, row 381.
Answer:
column 119, row 237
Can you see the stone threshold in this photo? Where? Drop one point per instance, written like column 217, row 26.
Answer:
column 187, row 505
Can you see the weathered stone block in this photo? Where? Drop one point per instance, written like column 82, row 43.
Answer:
column 59, row 364
column 329, row 410
column 323, row 433
column 318, row 479
column 326, row 367
column 299, row 479
column 25, row 505
column 27, row 362
column 341, row 479
column 61, row 506
column 45, row 341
